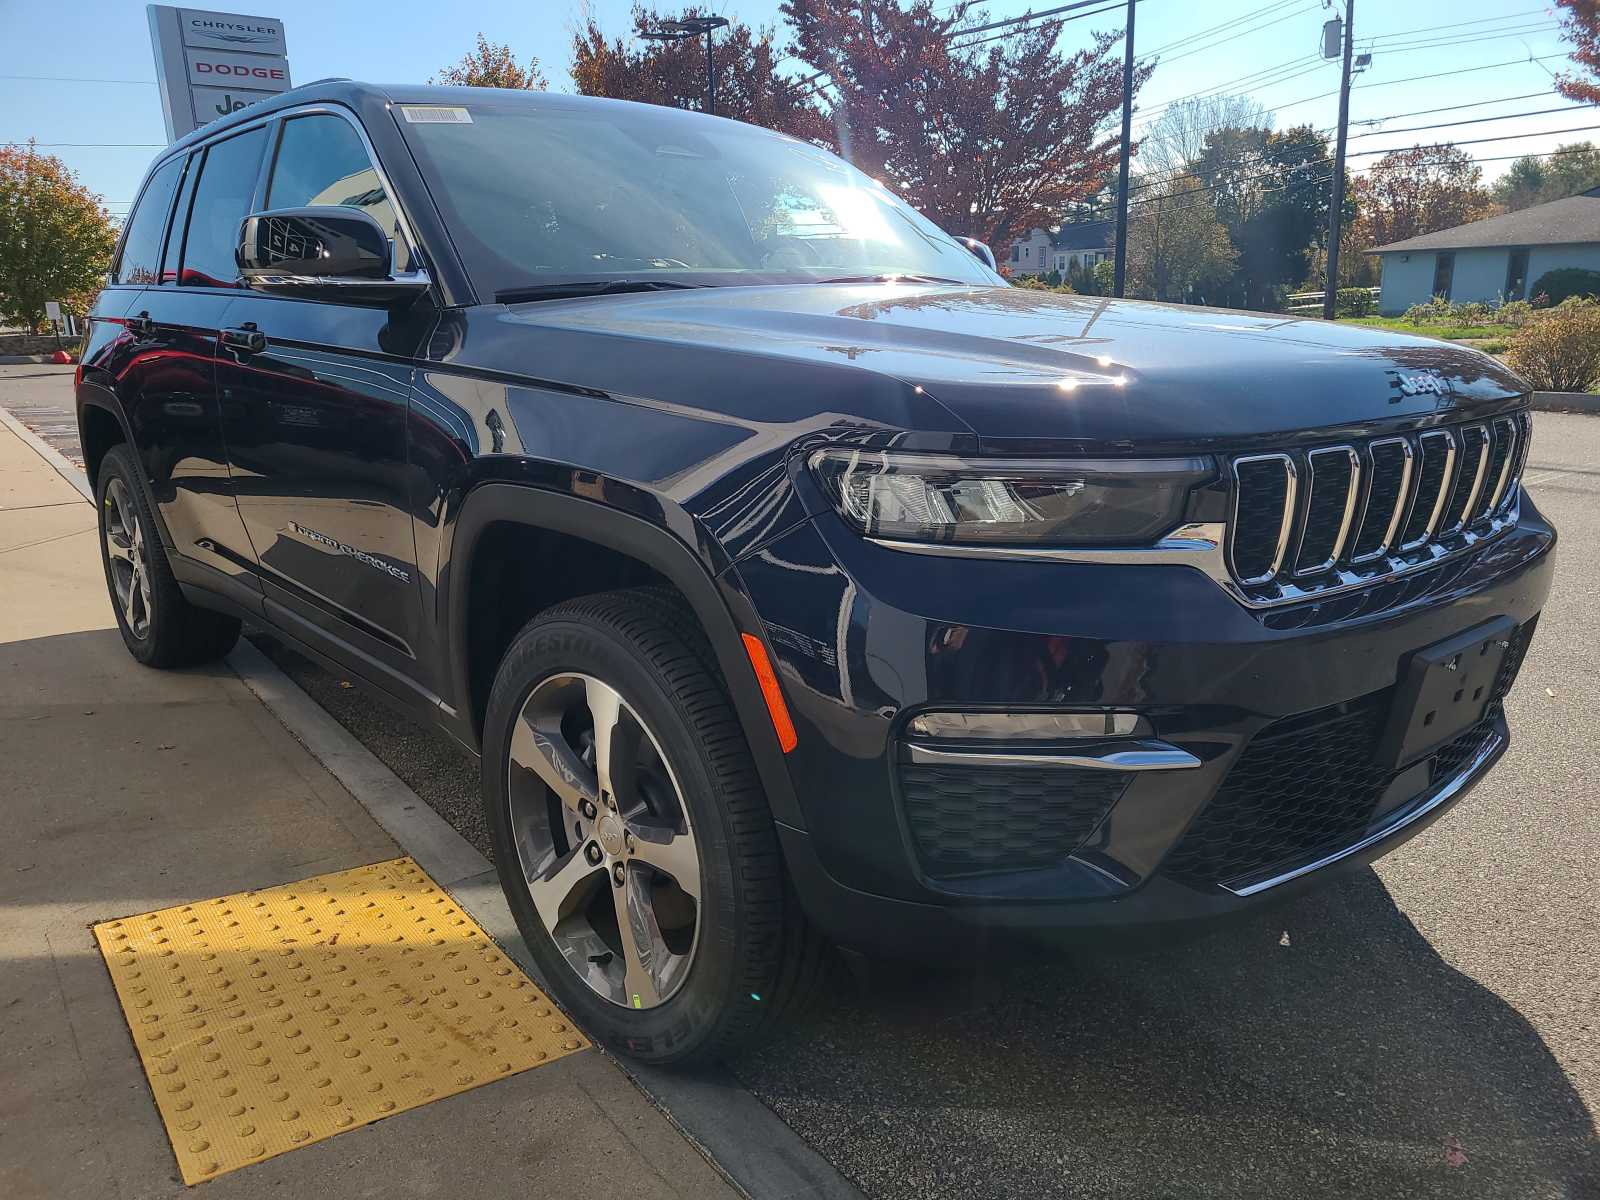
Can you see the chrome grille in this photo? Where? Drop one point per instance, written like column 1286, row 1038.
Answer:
column 1345, row 514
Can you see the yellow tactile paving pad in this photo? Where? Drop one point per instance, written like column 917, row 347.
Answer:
column 270, row 1020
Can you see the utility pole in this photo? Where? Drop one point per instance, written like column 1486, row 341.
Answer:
column 1330, row 295
column 683, row 31
column 1119, row 286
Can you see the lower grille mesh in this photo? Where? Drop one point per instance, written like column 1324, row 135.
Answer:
column 1309, row 782
column 984, row 820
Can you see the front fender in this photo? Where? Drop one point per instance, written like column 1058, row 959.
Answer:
column 722, row 608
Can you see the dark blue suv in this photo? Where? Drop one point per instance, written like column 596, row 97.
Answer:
column 797, row 581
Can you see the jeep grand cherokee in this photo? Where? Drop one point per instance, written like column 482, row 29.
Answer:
column 795, row 579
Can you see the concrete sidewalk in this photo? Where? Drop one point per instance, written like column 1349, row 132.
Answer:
column 123, row 790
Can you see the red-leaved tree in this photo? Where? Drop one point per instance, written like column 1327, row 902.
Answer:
column 1580, row 25
column 988, row 134
column 1407, row 193
column 674, row 73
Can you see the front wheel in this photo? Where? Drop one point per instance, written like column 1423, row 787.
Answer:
column 631, row 835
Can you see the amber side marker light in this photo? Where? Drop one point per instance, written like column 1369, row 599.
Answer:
column 770, row 692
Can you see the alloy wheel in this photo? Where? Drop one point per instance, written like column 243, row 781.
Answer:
column 604, row 840
column 129, row 558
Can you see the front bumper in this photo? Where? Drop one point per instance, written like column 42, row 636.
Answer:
column 865, row 636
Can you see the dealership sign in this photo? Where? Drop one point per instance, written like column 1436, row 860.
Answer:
column 210, row 64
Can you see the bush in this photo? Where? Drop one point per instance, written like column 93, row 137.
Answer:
column 1514, row 313
column 1435, row 312
column 1565, row 282
column 1559, row 350
column 1354, row 302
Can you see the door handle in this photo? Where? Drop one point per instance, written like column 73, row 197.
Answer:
column 141, row 325
column 246, row 339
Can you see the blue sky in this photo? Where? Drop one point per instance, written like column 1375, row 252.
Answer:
column 405, row 41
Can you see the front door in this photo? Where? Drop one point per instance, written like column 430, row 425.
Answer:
column 314, row 399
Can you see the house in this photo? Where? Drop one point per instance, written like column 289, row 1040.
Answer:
column 1497, row 258
column 1072, row 246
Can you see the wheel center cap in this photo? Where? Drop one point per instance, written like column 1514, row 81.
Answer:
column 610, row 833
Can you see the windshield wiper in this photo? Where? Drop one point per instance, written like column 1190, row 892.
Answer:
column 587, row 287
column 890, row 278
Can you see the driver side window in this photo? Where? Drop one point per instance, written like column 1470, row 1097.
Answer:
column 322, row 161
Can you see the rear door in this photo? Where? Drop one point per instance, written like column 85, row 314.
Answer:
column 315, row 397
column 169, row 386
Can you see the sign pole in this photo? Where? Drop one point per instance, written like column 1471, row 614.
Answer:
column 1120, row 270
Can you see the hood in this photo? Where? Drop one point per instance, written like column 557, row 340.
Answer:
column 1019, row 365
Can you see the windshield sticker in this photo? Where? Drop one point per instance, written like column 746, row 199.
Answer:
column 434, row 114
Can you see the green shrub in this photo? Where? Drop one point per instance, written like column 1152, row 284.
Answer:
column 1565, row 282
column 1559, row 350
column 1436, row 311
column 1474, row 313
column 1354, row 302
column 1514, row 313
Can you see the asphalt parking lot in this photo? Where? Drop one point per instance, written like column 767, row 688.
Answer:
column 1428, row 1028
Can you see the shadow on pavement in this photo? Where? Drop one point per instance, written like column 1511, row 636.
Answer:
column 1323, row 1049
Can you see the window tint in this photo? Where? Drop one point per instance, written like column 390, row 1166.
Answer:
column 141, row 249
column 321, row 160
column 221, row 201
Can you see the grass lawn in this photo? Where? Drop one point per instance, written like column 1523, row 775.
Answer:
column 1450, row 332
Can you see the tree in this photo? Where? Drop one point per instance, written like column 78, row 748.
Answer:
column 674, row 73
column 1176, row 245
column 1411, row 192
column 1580, row 25
column 493, row 65
column 1537, row 179
column 1179, row 136
column 987, row 137
column 55, row 238
column 1270, row 191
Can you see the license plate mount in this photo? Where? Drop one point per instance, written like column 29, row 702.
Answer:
column 1444, row 690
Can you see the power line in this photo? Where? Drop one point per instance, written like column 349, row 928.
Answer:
column 90, row 145
column 77, row 79
column 1235, row 37
column 1513, row 62
column 1460, row 24
column 1537, row 112
column 1509, row 137
column 996, row 37
column 1219, row 27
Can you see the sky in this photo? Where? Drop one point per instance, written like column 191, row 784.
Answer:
column 84, row 72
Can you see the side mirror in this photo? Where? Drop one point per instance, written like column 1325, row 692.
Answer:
column 980, row 251
column 326, row 253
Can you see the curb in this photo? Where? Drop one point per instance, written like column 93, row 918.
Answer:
column 1571, row 402
column 742, row 1139
column 63, row 465
column 12, row 360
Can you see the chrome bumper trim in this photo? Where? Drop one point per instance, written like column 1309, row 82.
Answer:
column 1132, row 756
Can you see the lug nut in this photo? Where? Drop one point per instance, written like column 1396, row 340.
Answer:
column 619, row 875
column 592, row 852
column 587, row 809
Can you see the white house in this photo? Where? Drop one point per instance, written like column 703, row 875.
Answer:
column 1495, row 258
column 1072, row 246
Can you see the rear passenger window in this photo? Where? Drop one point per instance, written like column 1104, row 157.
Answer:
column 140, row 261
column 322, row 160
column 221, row 201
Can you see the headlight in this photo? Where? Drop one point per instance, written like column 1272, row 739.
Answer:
column 997, row 501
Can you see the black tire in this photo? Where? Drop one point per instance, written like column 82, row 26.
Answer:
column 163, row 630
column 756, row 960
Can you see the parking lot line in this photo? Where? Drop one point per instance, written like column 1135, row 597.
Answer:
column 272, row 1019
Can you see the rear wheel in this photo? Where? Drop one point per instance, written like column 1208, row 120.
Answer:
column 631, row 835
column 159, row 627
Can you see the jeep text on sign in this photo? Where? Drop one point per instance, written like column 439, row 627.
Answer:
column 210, row 64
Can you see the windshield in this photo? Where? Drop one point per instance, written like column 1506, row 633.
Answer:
column 538, row 195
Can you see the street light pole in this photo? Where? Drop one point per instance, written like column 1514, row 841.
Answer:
column 1330, row 294
column 683, row 31
column 1120, row 277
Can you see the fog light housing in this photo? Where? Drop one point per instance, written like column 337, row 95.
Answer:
column 1028, row 726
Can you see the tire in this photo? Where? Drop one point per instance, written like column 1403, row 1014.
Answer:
column 679, row 766
column 159, row 627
